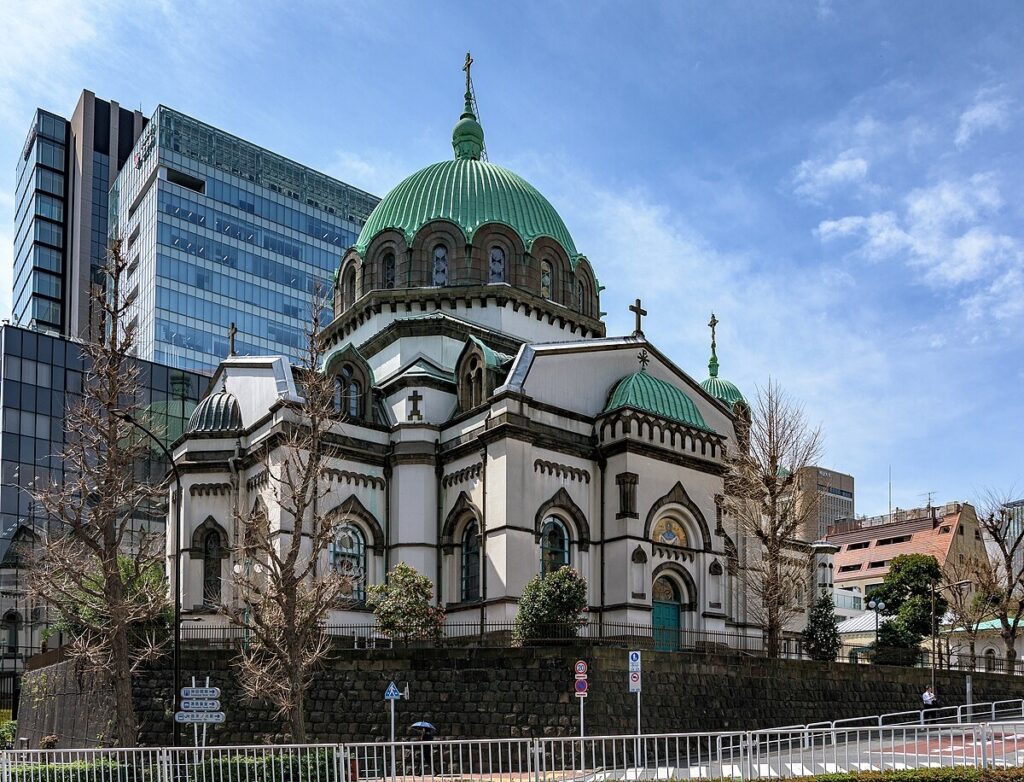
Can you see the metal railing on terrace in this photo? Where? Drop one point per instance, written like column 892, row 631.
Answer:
column 781, row 753
column 502, row 634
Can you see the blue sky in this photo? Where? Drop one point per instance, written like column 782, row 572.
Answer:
column 840, row 182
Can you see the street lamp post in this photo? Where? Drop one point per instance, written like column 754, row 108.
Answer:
column 876, row 606
column 177, row 561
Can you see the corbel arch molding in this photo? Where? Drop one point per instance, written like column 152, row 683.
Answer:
column 427, row 238
column 389, row 241
column 199, row 537
column 361, row 373
column 504, row 237
column 547, row 249
column 682, row 575
column 591, row 300
column 348, row 285
column 352, row 508
column 561, row 501
column 678, row 496
column 463, row 508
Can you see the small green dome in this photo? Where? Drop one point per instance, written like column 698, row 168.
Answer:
column 469, row 192
column 722, row 390
column 219, row 413
column 643, row 392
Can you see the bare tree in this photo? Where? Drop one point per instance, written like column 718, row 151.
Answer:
column 968, row 608
column 284, row 590
column 761, row 494
column 100, row 566
column 1005, row 574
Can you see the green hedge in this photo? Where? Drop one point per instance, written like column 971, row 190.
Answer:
column 952, row 774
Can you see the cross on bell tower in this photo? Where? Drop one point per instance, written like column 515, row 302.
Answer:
column 638, row 310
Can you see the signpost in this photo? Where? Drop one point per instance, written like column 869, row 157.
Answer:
column 581, row 687
column 392, row 694
column 199, row 706
column 635, row 683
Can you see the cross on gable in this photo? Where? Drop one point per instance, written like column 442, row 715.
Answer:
column 639, row 311
column 415, row 397
column 232, row 331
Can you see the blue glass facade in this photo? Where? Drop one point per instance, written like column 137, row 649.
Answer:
column 220, row 231
column 40, row 236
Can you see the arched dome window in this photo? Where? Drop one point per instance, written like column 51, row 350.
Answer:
column 471, row 562
column 990, row 660
column 554, row 546
column 581, row 296
column 474, row 380
column 212, row 555
column 347, row 556
column 389, row 270
column 439, row 275
column 496, row 265
column 547, row 280
column 348, row 392
column 348, row 287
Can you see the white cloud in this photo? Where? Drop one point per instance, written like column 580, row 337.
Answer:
column 947, row 232
column 990, row 110
column 817, row 178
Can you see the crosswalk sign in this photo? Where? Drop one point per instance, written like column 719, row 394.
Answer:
column 392, row 693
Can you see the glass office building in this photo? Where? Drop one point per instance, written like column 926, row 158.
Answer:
column 64, row 175
column 40, row 375
column 219, row 231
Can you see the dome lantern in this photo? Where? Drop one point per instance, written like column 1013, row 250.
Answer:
column 218, row 414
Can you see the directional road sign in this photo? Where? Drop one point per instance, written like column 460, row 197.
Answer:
column 200, row 705
column 581, row 688
column 200, row 692
column 634, row 662
column 199, row 717
column 634, row 681
column 392, row 693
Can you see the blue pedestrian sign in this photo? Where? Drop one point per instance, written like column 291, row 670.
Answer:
column 392, row 693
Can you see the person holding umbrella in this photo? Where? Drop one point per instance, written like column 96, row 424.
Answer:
column 427, row 730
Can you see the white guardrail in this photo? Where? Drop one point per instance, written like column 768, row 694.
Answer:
column 995, row 711
column 779, row 753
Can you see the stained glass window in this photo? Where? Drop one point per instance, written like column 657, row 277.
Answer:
column 440, row 270
column 664, row 591
column 471, row 562
column 497, row 265
column 347, row 556
column 554, row 546
column 212, row 554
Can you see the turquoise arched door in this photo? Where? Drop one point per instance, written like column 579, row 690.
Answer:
column 665, row 607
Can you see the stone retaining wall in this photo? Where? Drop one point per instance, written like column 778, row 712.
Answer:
column 487, row 693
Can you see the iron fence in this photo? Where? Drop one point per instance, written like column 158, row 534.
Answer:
column 779, row 753
column 502, row 635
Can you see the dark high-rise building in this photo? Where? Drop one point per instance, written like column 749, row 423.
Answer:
column 64, row 176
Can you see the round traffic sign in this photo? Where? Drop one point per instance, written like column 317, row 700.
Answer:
column 581, row 666
column 634, row 657
column 581, row 685
column 634, row 677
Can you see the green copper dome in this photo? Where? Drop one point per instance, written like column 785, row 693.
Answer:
column 723, row 390
column 470, row 192
column 643, row 392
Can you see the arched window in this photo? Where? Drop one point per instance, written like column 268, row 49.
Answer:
column 389, row 270
column 990, row 660
column 348, row 392
column 12, row 629
column 212, row 555
column 439, row 275
column 547, row 280
column 497, row 265
column 348, row 287
column 474, row 383
column 471, row 562
column 581, row 297
column 554, row 546
column 347, row 556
